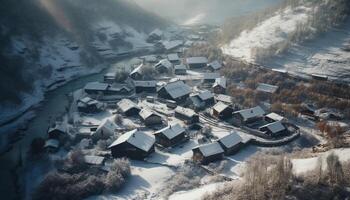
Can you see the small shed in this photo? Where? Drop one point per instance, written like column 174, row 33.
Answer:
column 128, row 107
column 150, row 118
column 207, row 97
column 231, row 143
column 177, row 91
column 145, row 86
column 248, row 115
column 186, row 114
column 219, row 86
column 196, row 62
column 57, row 132
column 180, row 70
column 134, row 144
column 164, row 66
column 222, row 111
column 89, row 105
column 214, row 66
column 94, row 160
column 208, row 153
column 174, row 58
column 209, row 78
column 224, row 98
column 274, row 117
column 274, row 129
column 170, row 135
column 105, row 130
column 137, row 74
column 263, row 87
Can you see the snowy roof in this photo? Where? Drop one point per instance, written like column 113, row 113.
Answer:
column 157, row 32
column 171, row 131
column 224, row 98
column 145, row 83
column 107, row 125
column 215, row 65
column 146, row 113
column 180, row 67
column 185, row 111
column 168, row 45
column 126, row 104
column 219, row 106
column 220, row 82
column 52, row 143
column 251, row 112
column 211, row 75
column 275, row 116
column 85, row 100
column 205, row 95
column 231, row 140
column 109, row 75
column 165, row 62
column 197, row 60
column 138, row 69
column 177, row 89
column 274, row 127
column 59, row 127
column 94, row 160
column 136, row 138
column 173, row 57
column 263, row 87
column 210, row 149
column 96, row 86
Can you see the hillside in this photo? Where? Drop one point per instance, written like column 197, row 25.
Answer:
column 47, row 43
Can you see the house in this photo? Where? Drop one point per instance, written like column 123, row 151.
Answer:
column 155, row 35
column 94, row 160
column 128, row 108
column 177, row 91
column 109, row 77
column 207, row 97
column 231, row 143
column 219, row 86
column 170, row 135
column 164, row 66
column 174, row 58
column 274, row 117
column 118, row 90
column 224, row 98
column 145, row 86
column 96, row 88
column 263, row 87
column 186, row 114
column 52, row 145
column 222, row 111
column 171, row 45
column 180, row 70
column 134, row 144
column 137, row 74
column 214, row 66
column 250, row 115
column 207, row 153
column 57, row 132
column 209, row 78
column 196, row 62
column 105, row 130
column 149, row 118
column 89, row 105
column 196, row 103
column 274, row 129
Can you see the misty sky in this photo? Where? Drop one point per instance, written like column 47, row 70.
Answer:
column 208, row 11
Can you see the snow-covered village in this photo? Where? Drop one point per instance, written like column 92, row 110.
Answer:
column 143, row 100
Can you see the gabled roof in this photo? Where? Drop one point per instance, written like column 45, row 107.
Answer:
column 138, row 70
column 210, row 149
column 168, row 45
column 274, row 127
column 126, row 104
column 211, row 76
column 107, row 125
column 171, row 131
column 139, row 139
column 96, row 86
column 231, row 140
column 275, row 116
column 157, row 32
column 215, row 65
column 165, row 62
column 109, row 75
column 185, row 111
column 180, row 67
column 224, row 98
column 205, row 95
column 145, row 83
column 173, row 57
column 94, row 160
column 59, row 127
column 220, row 82
column 177, row 89
column 197, row 60
column 150, row 58
column 263, row 87
column 85, row 100
column 251, row 112
column 145, row 113
column 219, row 106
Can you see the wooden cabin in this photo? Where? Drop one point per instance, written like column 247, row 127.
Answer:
column 274, row 129
column 164, row 66
column 247, row 116
column 196, row 62
column 219, row 86
column 145, row 86
column 222, row 111
column 89, row 105
column 170, row 135
column 150, row 118
column 186, row 114
column 231, row 143
column 207, row 153
column 177, row 91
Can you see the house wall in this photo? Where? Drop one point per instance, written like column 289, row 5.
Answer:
column 165, row 142
column 197, row 65
column 153, row 120
column 132, row 112
column 127, row 150
column 219, row 90
column 145, row 89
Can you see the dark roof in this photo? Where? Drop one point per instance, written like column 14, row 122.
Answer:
column 145, row 83
column 231, row 140
column 205, row 95
column 210, row 149
column 215, row 65
column 177, row 89
column 274, row 127
column 171, row 131
column 136, row 138
column 165, row 63
column 211, row 75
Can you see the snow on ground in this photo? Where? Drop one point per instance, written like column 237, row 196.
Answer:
column 195, row 194
column 271, row 32
column 301, row 166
